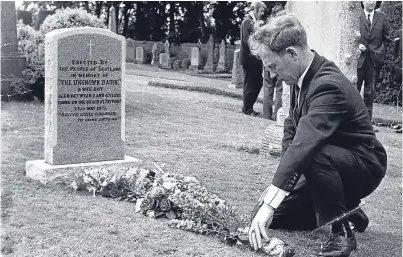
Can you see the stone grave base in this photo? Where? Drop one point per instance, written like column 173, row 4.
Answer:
column 271, row 141
column 46, row 173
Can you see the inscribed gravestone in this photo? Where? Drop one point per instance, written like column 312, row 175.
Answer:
column 223, row 61
column 130, row 50
column 140, row 54
column 195, row 62
column 84, row 104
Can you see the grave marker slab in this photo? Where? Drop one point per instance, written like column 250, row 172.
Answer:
column 84, row 102
column 130, row 50
column 164, row 60
column 223, row 61
column 140, row 54
column 195, row 62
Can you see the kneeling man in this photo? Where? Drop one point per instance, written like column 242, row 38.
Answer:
column 331, row 158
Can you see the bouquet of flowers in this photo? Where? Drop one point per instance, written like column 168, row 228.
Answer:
column 182, row 199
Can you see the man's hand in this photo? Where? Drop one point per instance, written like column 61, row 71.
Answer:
column 257, row 25
column 259, row 224
column 362, row 48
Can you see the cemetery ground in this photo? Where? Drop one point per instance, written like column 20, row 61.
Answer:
column 183, row 132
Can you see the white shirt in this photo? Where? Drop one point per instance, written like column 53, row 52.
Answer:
column 301, row 79
column 371, row 15
column 253, row 17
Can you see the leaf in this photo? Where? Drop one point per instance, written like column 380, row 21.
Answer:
column 171, row 215
column 158, row 214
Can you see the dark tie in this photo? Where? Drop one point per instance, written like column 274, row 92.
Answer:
column 295, row 111
column 369, row 20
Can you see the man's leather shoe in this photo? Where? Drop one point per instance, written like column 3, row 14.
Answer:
column 359, row 220
column 253, row 113
column 338, row 246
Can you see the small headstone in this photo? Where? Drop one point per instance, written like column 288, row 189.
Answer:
column 84, row 103
column 166, row 48
column 140, row 54
column 210, row 55
column 155, row 51
column 130, row 50
column 164, row 60
column 237, row 79
column 223, row 62
column 195, row 62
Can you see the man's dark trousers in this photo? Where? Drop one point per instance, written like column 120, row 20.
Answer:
column 368, row 74
column 252, row 85
column 335, row 178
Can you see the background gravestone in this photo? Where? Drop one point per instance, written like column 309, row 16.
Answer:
column 140, row 57
column 195, row 62
column 166, row 48
column 25, row 16
column 223, row 61
column 130, row 50
column 237, row 78
column 41, row 16
column 164, row 60
column 112, row 19
column 155, row 52
column 12, row 63
column 210, row 55
column 84, row 102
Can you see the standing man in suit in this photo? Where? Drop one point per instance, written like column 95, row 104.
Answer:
column 330, row 158
column 374, row 30
column 270, row 84
column 252, row 66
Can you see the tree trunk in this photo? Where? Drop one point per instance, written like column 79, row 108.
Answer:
column 172, row 19
column 98, row 8
column 201, row 20
column 126, row 18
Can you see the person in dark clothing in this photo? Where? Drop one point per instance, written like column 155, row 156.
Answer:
column 331, row 158
column 252, row 66
column 374, row 31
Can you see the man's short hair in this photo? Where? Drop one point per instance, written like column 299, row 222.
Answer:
column 256, row 5
column 279, row 33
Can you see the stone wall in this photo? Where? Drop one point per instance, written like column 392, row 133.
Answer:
column 332, row 29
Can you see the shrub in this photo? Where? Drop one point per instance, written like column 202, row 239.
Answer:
column 177, row 64
column 186, row 63
column 148, row 57
column 31, row 43
column 171, row 61
column 388, row 91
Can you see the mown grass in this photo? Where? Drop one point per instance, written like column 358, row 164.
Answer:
column 184, row 132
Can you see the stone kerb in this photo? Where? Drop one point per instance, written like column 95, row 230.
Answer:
column 130, row 50
column 84, row 103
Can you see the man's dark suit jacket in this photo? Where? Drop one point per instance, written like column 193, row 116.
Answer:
column 373, row 38
column 331, row 111
column 246, row 57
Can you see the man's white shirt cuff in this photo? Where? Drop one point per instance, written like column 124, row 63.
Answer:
column 274, row 196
